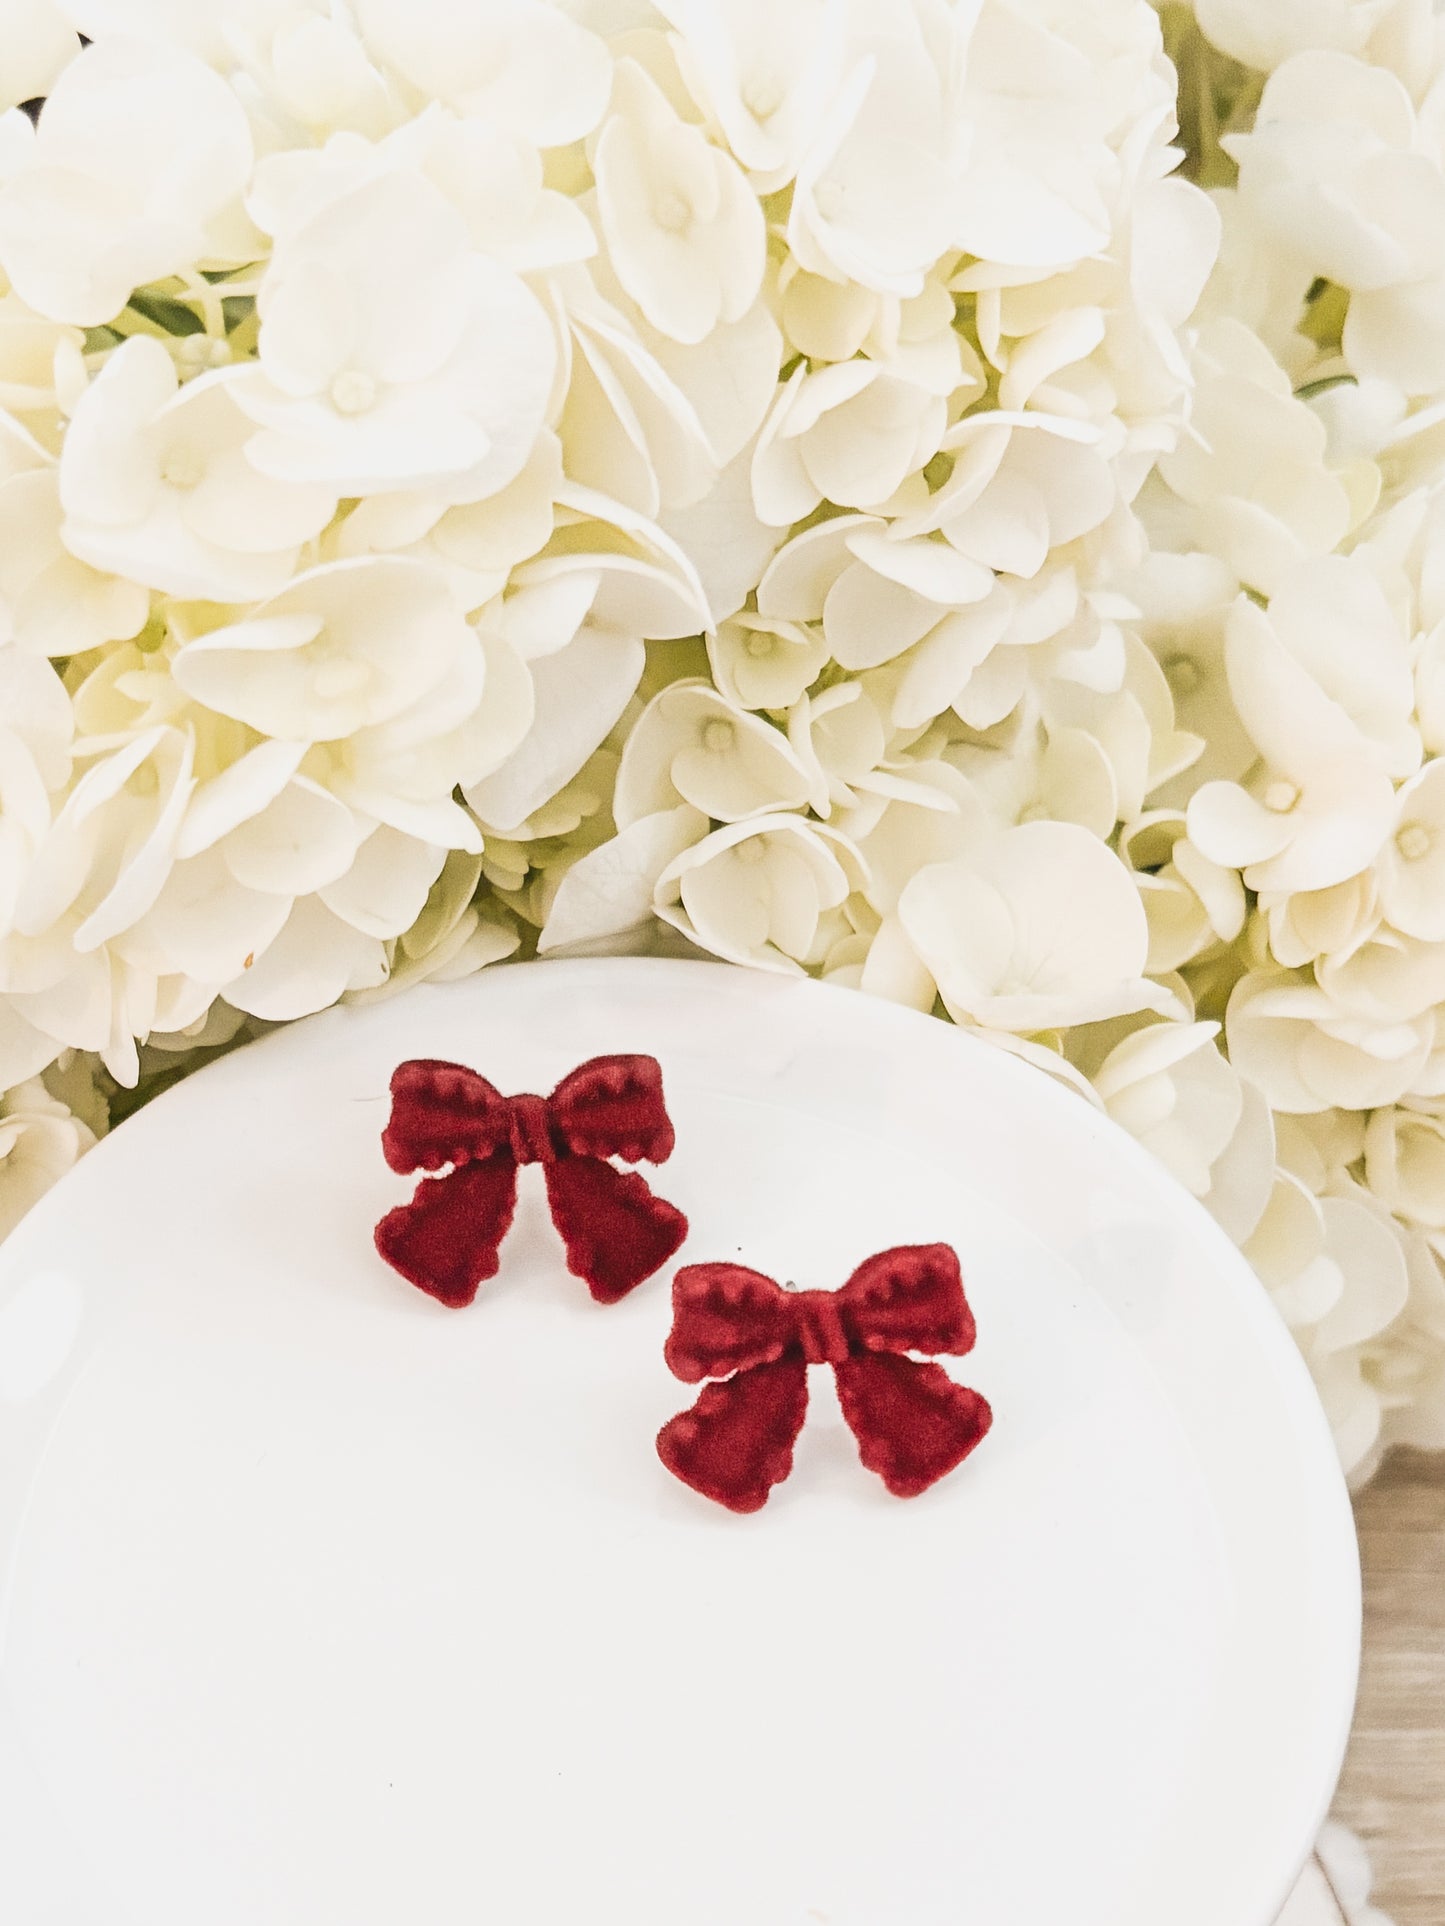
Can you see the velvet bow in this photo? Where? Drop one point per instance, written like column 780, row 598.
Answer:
column 912, row 1422
column 448, row 1238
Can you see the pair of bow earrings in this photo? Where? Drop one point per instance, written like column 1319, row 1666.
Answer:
column 743, row 1337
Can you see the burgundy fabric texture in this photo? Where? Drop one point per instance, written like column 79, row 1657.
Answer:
column 912, row 1422
column 448, row 1239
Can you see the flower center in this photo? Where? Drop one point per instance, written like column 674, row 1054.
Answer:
column 1281, row 797
column 1414, row 841
column 672, row 212
column 353, row 392
column 718, row 736
column 182, row 466
column 761, row 643
column 1183, row 673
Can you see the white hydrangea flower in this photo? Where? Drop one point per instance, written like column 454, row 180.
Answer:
column 450, row 937
column 1311, row 925
column 342, row 648
column 1334, row 173
column 198, row 26
column 1405, row 1161
column 404, row 771
column 1184, row 604
column 41, row 364
column 1407, row 1366
column 392, row 354
column 312, row 67
column 109, row 850
column 36, row 731
column 522, row 63
column 51, row 602
column 1265, row 37
column 1252, row 467
column 728, row 380
column 1036, row 927
column 97, row 210
column 1193, row 905
column 1322, row 804
column 877, row 196
column 632, row 434
column 851, row 433
column 278, row 832
column 840, row 737
column 331, row 656
column 759, row 891
column 938, row 816
column 577, row 620
column 684, row 232
column 157, row 488
column 39, row 44
column 477, row 545
column 304, row 68
column 1019, row 489
column 315, row 959
column 761, row 662
column 1410, row 869
column 1386, row 976
column 765, row 74
column 1167, row 1085
column 1304, row 825
column 1125, row 734
column 1309, row 1052
column 492, row 176
column 691, row 746
column 39, row 1141
column 94, row 871
column 208, row 927
column 1334, row 618
column 609, row 892
column 1337, row 1272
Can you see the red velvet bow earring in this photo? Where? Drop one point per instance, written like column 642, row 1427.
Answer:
column 912, row 1422
column 448, row 1238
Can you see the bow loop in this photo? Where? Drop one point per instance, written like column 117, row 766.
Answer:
column 909, row 1299
column 442, row 1113
column 726, row 1318
column 613, row 1107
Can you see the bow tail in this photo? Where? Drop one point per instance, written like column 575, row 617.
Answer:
column 737, row 1441
column 448, row 1239
column 615, row 1230
column 912, row 1422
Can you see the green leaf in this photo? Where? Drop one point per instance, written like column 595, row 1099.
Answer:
column 174, row 316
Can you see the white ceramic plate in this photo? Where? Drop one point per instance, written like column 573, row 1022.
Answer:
column 325, row 1606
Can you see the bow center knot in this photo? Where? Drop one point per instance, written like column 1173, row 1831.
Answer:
column 820, row 1327
column 530, row 1130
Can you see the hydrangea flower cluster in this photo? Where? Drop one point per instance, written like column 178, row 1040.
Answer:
column 821, row 484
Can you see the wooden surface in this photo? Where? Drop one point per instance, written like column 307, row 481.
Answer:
column 1393, row 1791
